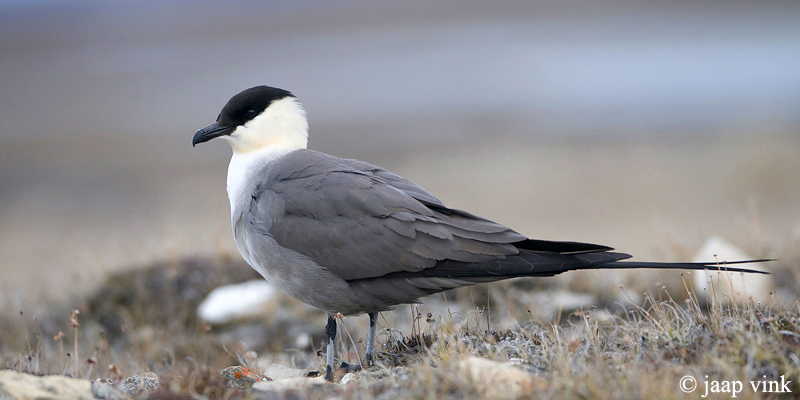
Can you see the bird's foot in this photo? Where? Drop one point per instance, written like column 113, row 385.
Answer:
column 350, row 367
column 368, row 361
column 347, row 367
column 338, row 373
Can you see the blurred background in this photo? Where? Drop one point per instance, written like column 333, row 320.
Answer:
column 647, row 127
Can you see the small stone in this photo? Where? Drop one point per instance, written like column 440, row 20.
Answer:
column 140, row 383
column 347, row 378
column 303, row 341
column 515, row 362
column 241, row 377
column 104, row 389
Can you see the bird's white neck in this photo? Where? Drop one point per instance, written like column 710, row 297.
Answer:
column 282, row 124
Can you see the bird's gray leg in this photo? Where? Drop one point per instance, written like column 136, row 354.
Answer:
column 371, row 337
column 330, row 329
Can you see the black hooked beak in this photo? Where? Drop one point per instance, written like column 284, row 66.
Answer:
column 210, row 132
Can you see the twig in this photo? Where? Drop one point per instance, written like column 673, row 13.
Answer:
column 73, row 322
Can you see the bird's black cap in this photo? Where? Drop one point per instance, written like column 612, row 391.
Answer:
column 240, row 108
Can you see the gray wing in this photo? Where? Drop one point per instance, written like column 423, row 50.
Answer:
column 360, row 221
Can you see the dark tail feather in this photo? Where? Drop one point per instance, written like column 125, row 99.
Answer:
column 712, row 265
column 609, row 260
column 553, row 270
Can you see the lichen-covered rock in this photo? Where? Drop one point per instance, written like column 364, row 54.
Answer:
column 241, row 377
column 139, row 383
column 21, row 386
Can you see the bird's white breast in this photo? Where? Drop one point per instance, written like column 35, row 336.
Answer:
column 244, row 170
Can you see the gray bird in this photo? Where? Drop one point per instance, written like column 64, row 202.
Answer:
column 349, row 237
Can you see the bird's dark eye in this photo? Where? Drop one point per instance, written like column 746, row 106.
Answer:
column 251, row 113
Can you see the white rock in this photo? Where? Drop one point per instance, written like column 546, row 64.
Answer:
column 497, row 380
column 279, row 371
column 296, row 383
column 20, row 386
column 744, row 286
column 347, row 378
column 241, row 300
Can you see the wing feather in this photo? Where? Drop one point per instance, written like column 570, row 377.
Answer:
column 360, row 221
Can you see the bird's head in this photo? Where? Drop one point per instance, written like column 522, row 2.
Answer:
column 257, row 118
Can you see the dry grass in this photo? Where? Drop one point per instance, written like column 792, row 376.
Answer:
column 145, row 321
column 641, row 353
